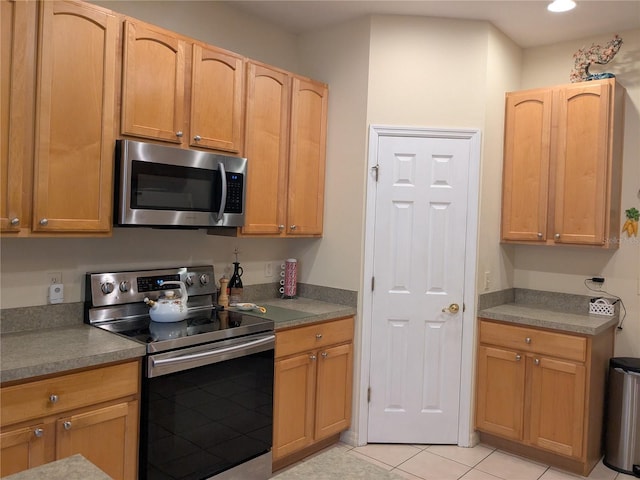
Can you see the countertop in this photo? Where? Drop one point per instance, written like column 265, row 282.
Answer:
column 32, row 353
column 75, row 467
column 537, row 315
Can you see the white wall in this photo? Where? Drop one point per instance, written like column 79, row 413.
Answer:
column 565, row 269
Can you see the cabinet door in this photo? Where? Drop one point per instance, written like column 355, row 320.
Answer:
column 583, row 156
column 75, row 135
column 216, row 99
column 17, row 62
column 557, row 405
column 107, row 437
column 333, row 390
column 500, row 392
column 153, row 81
column 305, row 205
column 294, row 403
column 267, row 126
column 525, row 184
column 22, row 448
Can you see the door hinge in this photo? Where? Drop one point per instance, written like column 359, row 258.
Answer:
column 375, row 169
column 373, row 283
column 369, row 395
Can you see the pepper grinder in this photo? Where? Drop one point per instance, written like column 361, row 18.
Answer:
column 223, row 299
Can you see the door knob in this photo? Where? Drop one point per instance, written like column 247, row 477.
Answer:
column 453, row 308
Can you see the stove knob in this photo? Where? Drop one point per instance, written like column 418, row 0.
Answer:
column 107, row 287
column 189, row 280
column 125, row 285
column 204, row 279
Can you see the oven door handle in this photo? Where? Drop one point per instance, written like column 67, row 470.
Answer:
column 163, row 366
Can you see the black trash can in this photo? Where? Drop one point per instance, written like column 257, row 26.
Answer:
column 622, row 426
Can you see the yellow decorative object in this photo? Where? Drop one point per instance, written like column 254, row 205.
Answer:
column 631, row 225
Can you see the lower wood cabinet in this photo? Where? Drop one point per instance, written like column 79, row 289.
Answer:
column 93, row 412
column 313, row 388
column 540, row 393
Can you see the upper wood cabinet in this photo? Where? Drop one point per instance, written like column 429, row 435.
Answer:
column 168, row 79
column 17, row 61
column 75, row 108
column 285, row 142
column 562, row 164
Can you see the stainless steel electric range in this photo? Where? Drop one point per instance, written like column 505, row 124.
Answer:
column 207, row 383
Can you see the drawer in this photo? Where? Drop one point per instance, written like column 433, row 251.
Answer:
column 34, row 399
column 526, row 339
column 311, row 337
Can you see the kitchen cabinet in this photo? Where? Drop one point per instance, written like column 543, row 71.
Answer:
column 313, row 388
column 286, row 122
column 164, row 72
column 563, row 164
column 18, row 53
column 92, row 412
column 540, row 393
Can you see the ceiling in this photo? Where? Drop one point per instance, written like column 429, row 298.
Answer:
column 527, row 23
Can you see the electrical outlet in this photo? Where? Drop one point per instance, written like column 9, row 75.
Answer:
column 487, row 280
column 268, row 269
column 54, row 277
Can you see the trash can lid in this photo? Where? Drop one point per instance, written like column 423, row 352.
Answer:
column 628, row 364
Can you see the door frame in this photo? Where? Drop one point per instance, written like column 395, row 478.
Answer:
column 466, row 434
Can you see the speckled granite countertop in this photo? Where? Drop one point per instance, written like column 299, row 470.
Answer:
column 287, row 313
column 75, row 467
column 557, row 311
column 32, row 353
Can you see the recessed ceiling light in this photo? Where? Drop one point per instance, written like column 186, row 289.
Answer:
column 561, row 6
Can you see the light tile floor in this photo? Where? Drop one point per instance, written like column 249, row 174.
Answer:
column 447, row 462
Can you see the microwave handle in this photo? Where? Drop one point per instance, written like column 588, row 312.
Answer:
column 223, row 193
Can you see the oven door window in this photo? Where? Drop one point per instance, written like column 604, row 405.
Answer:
column 205, row 420
column 158, row 186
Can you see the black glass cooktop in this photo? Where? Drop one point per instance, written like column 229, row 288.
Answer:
column 200, row 327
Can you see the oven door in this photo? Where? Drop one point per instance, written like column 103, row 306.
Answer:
column 207, row 410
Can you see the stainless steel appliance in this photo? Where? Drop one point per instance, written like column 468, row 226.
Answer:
column 207, row 387
column 162, row 186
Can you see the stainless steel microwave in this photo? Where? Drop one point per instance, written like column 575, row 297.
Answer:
column 162, row 186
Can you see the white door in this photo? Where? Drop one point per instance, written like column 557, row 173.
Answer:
column 420, row 236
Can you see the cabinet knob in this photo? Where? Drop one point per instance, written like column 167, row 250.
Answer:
column 557, row 236
column 38, row 432
column 293, row 227
column 179, row 134
column 67, row 425
column 537, row 361
column 44, row 222
column 518, row 357
column 281, row 227
column 15, row 221
column 540, row 235
column 312, row 357
column 324, row 354
column 318, row 336
column 197, row 138
column 527, row 340
column 53, row 398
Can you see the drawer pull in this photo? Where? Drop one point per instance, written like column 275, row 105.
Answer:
column 53, row 398
column 527, row 340
column 318, row 336
column 325, row 354
column 518, row 357
column 312, row 357
column 67, row 425
column 537, row 361
column 38, row 432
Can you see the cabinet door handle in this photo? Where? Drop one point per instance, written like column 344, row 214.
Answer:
column 518, row 357
column 557, row 236
column 318, row 336
column 38, row 432
column 527, row 340
column 67, row 425
column 540, row 235
column 179, row 134
column 53, row 398
column 293, row 227
column 44, row 222
column 325, row 354
column 281, row 227
column 537, row 361
column 15, row 222
column 312, row 357
column 197, row 138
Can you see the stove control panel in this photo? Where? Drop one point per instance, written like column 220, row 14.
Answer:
column 119, row 288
